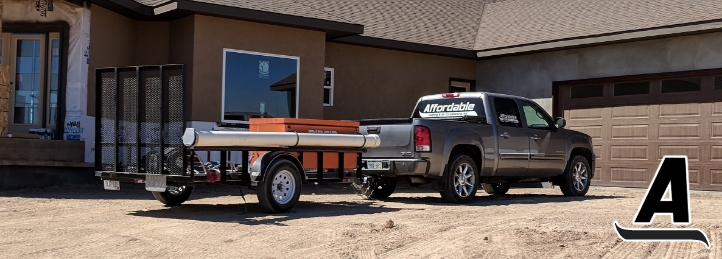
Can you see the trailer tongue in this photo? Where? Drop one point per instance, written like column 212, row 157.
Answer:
column 141, row 137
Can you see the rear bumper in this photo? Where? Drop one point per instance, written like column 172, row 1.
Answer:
column 401, row 167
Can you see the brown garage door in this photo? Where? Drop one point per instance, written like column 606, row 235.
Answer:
column 635, row 121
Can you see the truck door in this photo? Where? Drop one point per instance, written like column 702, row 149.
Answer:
column 513, row 139
column 547, row 146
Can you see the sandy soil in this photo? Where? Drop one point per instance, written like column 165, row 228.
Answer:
column 333, row 222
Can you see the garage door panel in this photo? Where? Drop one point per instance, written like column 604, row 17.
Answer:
column 694, row 176
column 627, row 152
column 679, row 131
column 637, row 175
column 594, row 131
column 630, row 132
column 598, row 153
column 716, row 177
column 717, row 108
column 588, row 113
column 692, row 152
column 624, row 112
column 677, row 110
column 716, row 153
column 717, row 130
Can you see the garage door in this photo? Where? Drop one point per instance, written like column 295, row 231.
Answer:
column 635, row 121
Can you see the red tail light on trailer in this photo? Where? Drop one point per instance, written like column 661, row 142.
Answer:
column 422, row 139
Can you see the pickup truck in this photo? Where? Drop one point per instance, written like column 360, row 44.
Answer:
column 458, row 142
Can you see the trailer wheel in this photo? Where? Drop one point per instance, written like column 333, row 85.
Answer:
column 461, row 180
column 383, row 190
column 496, row 188
column 281, row 187
column 173, row 196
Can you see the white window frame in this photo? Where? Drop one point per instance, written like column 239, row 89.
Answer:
column 330, row 94
column 223, row 84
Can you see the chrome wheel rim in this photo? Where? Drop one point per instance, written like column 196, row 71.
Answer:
column 464, row 180
column 283, row 187
column 176, row 190
column 580, row 176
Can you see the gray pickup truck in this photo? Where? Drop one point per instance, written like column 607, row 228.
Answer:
column 458, row 142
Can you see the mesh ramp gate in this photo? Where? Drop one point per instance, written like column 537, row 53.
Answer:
column 140, row 119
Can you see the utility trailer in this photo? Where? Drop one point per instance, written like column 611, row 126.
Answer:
column 142, row 137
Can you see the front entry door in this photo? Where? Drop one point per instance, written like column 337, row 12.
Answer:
column 513, row 139
column 33, row 83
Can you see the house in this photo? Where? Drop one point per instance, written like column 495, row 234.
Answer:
column 643, row 78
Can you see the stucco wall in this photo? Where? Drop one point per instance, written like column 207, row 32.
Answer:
column 379, row 83
column 151, row 43
column 112, row 44
column 212, row 34
column 532, row 75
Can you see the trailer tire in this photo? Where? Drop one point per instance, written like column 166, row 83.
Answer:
column 460, row 179
column 174, row 196
column 496, row 188
column 281, row 187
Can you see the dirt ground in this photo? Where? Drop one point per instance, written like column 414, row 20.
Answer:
column 332, row 222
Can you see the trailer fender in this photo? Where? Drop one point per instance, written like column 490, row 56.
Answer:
column 258, row 169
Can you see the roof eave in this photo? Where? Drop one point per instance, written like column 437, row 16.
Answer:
column 598, row 40
column 181, row 8
column 407, row 46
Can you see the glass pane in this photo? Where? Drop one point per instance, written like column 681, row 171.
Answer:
column 535, row 116
column 54, row 67
column 681, row 85
column 507, row 112
column 456, row 89
column 327, row 96
column 27, row 82
column 259, row 86
column 587, row 91
column 631, row 88
column 718, row 82
column 327, row 78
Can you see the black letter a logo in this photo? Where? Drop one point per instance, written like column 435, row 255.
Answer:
column 671, row 175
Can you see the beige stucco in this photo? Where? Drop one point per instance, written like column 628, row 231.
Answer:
column 379, row 83
column 212, row 35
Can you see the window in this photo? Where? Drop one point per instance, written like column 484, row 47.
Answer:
column 507, row 112
column 718, row 82
column 458, row 86
column 681, row 85
column 536, row 117
column 53, row 76
column 328, row 87
column 259, row 85
column 587, row 91
column 634, row 88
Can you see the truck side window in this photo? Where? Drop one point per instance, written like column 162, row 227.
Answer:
column 536, row 118
column 507, row 112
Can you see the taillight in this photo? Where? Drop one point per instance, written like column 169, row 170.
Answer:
column 422, row 138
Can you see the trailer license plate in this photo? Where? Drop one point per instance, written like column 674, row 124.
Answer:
column 111, row 185
column 155, row 183
column 374, row 165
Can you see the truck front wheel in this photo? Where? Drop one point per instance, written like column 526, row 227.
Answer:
column 173, row 196
column 575, row 180
column 281, row 187
column 460, row 180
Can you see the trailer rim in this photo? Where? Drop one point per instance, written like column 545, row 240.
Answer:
column 283, row 187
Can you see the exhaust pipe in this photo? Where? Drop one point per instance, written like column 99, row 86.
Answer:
column 193, row 138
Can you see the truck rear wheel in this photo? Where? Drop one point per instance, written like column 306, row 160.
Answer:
column 173, row 196
column 575, row 180
column 496, row 188
column 281, row 187
column 461, row 184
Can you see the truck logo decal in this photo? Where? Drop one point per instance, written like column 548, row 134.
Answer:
column 461, row 109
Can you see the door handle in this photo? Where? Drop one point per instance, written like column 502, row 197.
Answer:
column 504, row 135
column 535, row 137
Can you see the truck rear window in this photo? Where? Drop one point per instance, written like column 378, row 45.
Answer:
column 449, row 108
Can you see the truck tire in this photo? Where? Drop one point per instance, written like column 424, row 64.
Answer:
column 173, row 196
column 575, row 180
column 496, row 188
column 460, row 180
column 385, row 191
column 281, row 187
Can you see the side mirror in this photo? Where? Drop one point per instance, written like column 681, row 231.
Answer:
column 561, row 122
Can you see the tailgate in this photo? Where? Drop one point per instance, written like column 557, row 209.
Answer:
column 396, row 139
